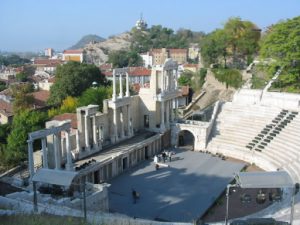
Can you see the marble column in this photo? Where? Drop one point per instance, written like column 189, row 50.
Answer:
column 56, row 151
column 168, row 114
column 115, row 124
column 176, row 108
column 30, row 159
column 127, row 85
column 86, row 133
column 69, row 165
column 114, row 95
column 121, row 86
column 129, row 125
column 122, row 123
column 45, row 153
column 162, row 81
column 172, row 111
column 162, row 116
column 77, row 141
column 95, row 133
column 100, row 136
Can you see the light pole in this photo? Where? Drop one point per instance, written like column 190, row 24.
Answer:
column 227, row 200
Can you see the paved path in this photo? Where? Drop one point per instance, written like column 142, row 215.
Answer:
column 181, row 192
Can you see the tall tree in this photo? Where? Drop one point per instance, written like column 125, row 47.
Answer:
column 282, row 43
column 72, row 79
column 23, row 123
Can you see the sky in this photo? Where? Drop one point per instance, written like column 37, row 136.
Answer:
column 33, row 25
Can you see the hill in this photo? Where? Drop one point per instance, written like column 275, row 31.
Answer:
column 86, row 40
column 97, row 53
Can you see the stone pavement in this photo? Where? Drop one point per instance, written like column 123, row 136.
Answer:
column 181, row 192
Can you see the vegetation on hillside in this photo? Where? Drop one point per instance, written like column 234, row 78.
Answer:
column 230, row 77
column 234, row 45
column 282, row 44
column 193, row 79
column 122, row 58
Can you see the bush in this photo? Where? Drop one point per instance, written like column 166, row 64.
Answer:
column 231, row 77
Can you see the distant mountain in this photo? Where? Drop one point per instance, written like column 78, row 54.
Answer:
column 86, row 40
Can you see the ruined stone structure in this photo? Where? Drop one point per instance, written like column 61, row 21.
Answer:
column 128, row 130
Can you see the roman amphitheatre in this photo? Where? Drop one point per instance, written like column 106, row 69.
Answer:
column 101, row 165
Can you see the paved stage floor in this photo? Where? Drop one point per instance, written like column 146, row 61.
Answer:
column 181, row 192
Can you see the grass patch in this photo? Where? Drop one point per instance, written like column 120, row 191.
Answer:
column 230, row 77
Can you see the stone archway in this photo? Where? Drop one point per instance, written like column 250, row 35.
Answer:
column 186, row 138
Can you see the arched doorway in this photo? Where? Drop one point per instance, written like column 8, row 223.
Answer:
column 186, row 139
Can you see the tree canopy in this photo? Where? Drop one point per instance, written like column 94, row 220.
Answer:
column 282, row 43
column 236, row 38
column 23, row 123
column 122, row 58
column 95, row 96
column 72, row 79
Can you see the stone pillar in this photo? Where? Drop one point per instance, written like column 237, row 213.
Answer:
column 172, row 111
column 129, row 125
column 77, row 141
column 69, row 165
column 114, row 95
column 45, row 153
column 95, row 133
column 122, row 123
column 30, row 159
column 162, row 116
column 162, row 81
column 176, row 108
column 56, row 151
column 121, row 86
column 86, row 133
column 168, row 114
column 127, row 85
column 115, row 124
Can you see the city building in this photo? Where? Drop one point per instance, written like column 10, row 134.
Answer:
column 49, row 52
column 76, row 55
column 47, row 65
column 158, row 56
column 193, row 51
column 137, row 75
column 6, row 112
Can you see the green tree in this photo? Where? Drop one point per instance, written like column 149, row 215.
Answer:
column 282, row 43
column 21, row 77
column 123, row 58
column 185, row 78
column 95, row 96
column 72, row 79
column 23, row 123
column 237, row 39
column 68, row 105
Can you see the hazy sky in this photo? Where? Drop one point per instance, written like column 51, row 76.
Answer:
column 32, row 25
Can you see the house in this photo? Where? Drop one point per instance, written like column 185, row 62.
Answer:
column 47, row 65
column 76, row 55
column 137, row 75
column 6, row 112
column 159, row 56
column 191, row 67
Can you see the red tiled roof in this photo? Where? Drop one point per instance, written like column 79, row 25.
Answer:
column 139, row 71
column 6, row 108
column 191, row 65
column 178, row 50
column 74, row 51
column 133, row 71
column 41, row 97
column 67, row 116
column 107, row 73
column 106, row 66
column 47, row 62
column 51, row 80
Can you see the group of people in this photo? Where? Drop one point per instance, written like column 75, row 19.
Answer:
column 163, row 156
